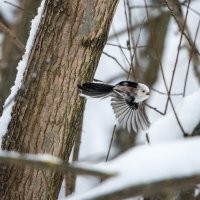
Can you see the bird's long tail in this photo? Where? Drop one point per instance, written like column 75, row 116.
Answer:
column 96, row 90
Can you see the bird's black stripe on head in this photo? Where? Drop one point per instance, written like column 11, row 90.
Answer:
column 128, row 83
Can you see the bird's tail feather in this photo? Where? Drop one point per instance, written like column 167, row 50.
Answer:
column 96, row 90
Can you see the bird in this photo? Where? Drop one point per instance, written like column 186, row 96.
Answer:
column 127, row 101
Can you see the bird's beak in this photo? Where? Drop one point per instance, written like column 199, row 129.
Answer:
column 148, row 93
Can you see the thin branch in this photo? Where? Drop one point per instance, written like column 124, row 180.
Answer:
column 129, row 41
column 157, row 5
column 163, row 93
column 111, row 141
column 121, row 50
column 135, row 52
column 158, row 56
column 177, row 119
column 132, row 28
column 191, row 54
column 177, row 17
column 155, row 109
column 178, row 52
column 115, row 61
column 165, row 82
column 147, row 138
column 14, row 5
column 126, row 48
column 17, row 42
column 132, row 42
column 192, row 9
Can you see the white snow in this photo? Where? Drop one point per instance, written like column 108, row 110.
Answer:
column 6, row 116
column 147, row 164
column 47, row 158
column 166, row 128
column 9, row 11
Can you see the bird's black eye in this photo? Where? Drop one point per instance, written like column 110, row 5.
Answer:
column 143, row 91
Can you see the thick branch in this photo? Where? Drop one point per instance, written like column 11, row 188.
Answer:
column 152, row 188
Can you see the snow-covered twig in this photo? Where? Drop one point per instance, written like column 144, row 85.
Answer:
column 147, row 170
column 43, row 161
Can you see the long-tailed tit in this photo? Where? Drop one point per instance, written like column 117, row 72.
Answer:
column 127, row 101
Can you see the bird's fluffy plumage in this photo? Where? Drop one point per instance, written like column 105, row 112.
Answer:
column 127, row 101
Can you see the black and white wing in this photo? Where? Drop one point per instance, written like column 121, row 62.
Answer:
column 130, row 114
column 96, row 90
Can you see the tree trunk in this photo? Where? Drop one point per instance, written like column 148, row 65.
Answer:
column 48, row 111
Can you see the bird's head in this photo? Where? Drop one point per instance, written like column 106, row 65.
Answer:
column 143, row 92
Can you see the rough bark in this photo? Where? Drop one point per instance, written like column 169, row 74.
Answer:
column 48, row 111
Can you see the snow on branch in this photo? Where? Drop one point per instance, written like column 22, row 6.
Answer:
column 46, row 161
column 146, row 170
column 167, row 129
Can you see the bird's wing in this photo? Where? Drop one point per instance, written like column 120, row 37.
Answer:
column 131, row 115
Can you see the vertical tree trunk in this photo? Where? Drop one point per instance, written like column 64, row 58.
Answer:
column 48, row 111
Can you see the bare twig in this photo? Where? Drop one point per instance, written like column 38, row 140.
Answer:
column 132, row 28
column 14, row 5
column 192, row 9
column 155, row 109
column 177, row 119
column 17, row 42
column 177, row 14
column 121, row 50
column 126, row 48
column 178, row 52
column 111, row 141
column 115, row 61
column 132, row 43
column 163, row 93
column 165, row 83
column 135, row 53
column 191, row 54
column 157, row 5
column 158, row 57
column 129, row 41
column 147, row 138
